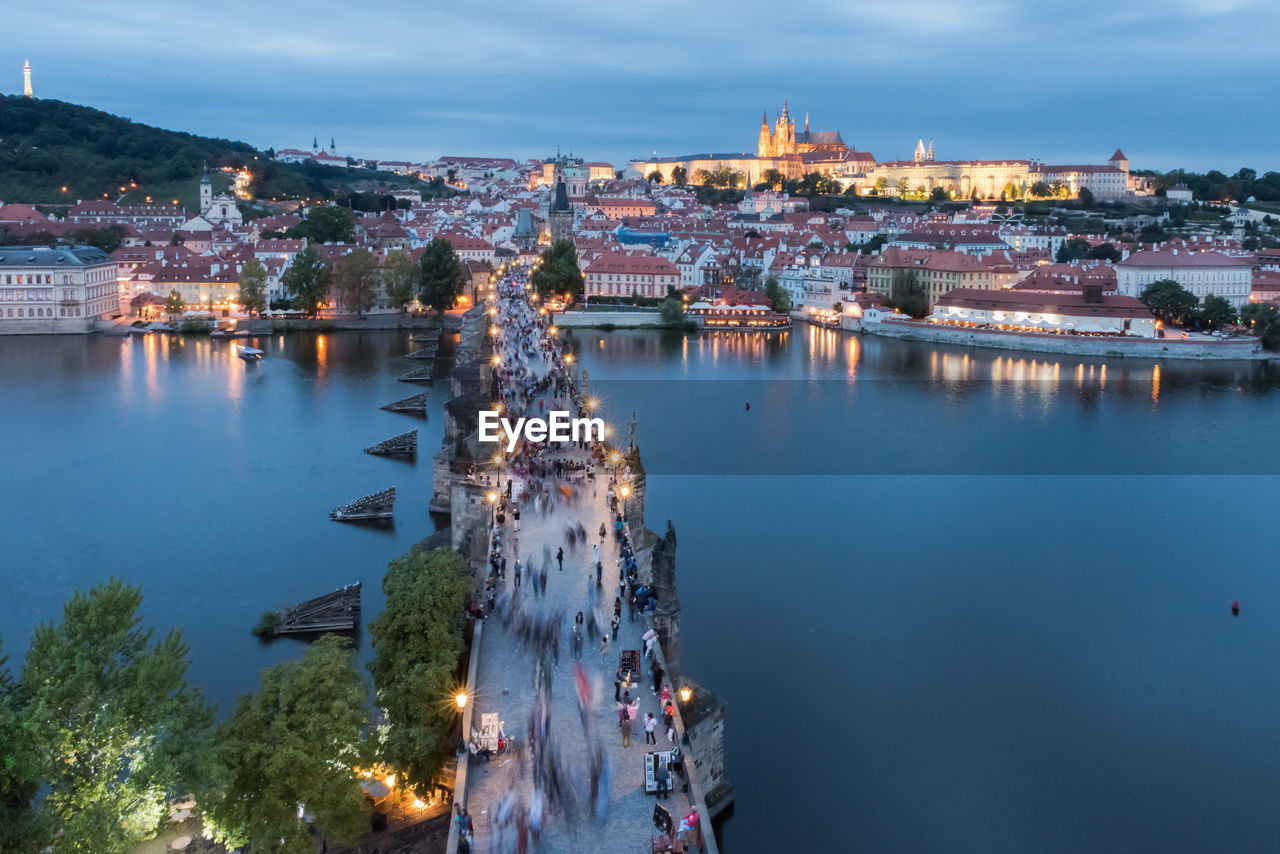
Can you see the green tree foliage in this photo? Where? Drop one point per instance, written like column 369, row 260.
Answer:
column 773, row 178
column 672, row 311
column 173, row 303
column 559, row 272
column 1086, row 197
column 19, row 829
column 1216, row 312
column 655, row 176
column 307, row 280
column 114, row 725
column 437, row 189
column 1263, row 320
column 778, row 297
column 253, row 286
column 1104, row 252
column 326, row 224
column 1073, row 250
column 1153, row 233
column 417, row 643
column 937, row 194
column 1169, row 301
column 680, row 176
column 108, row 239
column 400, row 277
column 356, row 276
column 702, row 177
column 295, row 744
column 50, row 144
column 441, row 279
column 907, row 295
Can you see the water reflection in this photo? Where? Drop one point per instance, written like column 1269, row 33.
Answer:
column 931, row 409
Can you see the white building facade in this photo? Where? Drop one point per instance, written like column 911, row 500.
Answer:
column 55, row 289
column 1201, row 273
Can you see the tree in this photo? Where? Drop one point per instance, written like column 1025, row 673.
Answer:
column 773, row 178
column 1086, row 197
column 672, row 311
column 292, row 748
column 19, row 829
column 400, row 277
column 1105, row 252
column 882, row 184
column 1040, row 190
column 1263, row 320
column 679, row 176
column 779, row 299
column 907, row 295
column 558, row 272
column 937, row 194
column 1152, row 233
column 1169, row 301
column 307, row 280
column 703, row 177
column 1216, row 312
column 173, row 304
column 326, row 224
column 357, row 280
column 1073, row 250
column 655, row 176
column 114, row 725
column 253, row 286
column 417, row 643
column 442, row 280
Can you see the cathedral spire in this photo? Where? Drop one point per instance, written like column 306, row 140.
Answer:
column 764, row 118
column 786, row 113
column 806, row 124
column 26, row 79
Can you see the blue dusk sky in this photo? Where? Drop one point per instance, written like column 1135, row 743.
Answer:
column 1172, row 82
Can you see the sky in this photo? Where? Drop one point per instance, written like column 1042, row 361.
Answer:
column 1175, row 83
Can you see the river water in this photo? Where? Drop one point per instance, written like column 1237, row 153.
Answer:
column 955, row 600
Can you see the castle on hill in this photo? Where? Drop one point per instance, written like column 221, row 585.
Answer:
column 782, row 139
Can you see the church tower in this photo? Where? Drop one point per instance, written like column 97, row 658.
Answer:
column 206, row 191
column 26, row 79
column 333, row 146
column 920, row 152
column 928, row 155
column 786, row 131
column 765, row 148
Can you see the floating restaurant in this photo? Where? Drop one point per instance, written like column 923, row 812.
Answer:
column 749, row 317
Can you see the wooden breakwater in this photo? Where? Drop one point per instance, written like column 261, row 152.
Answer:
column 404, row 445
column 380, row 505
column 338, row 611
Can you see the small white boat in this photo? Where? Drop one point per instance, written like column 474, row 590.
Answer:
column 249, row 354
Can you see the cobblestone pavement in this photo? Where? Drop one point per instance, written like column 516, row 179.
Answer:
column 506, row 684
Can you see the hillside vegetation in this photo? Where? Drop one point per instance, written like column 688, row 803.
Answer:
column 53, row 153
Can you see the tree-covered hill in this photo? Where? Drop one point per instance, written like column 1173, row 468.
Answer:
column 53, row 152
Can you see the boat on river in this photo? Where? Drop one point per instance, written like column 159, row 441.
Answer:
column 250, row 354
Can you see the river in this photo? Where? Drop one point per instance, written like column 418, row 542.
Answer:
column 955, row 599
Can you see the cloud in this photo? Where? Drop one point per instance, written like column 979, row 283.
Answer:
column 403, row 79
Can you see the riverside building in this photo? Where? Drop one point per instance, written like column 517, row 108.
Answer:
column 55, row 289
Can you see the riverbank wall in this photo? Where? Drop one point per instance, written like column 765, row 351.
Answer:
column 1230, row 349
column 620, row 319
